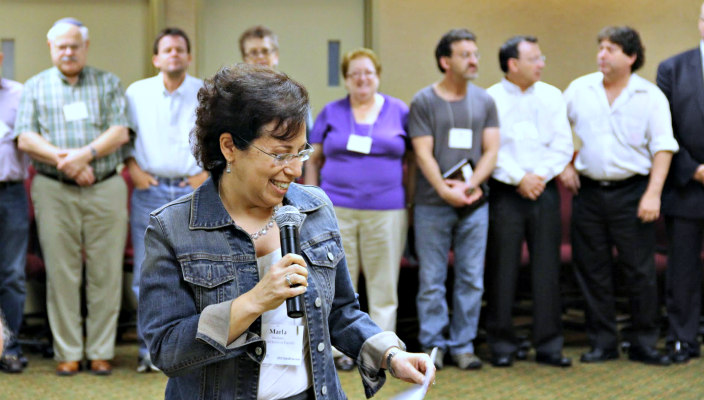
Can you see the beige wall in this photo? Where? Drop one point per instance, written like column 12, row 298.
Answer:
column 403, row 32
column 406, row 32
column 303, row 27
column 117, row 32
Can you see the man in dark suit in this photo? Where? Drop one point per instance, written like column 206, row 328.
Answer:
column 681, row 79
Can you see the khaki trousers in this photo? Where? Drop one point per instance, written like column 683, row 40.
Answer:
column 73, row 221
column 374, row 241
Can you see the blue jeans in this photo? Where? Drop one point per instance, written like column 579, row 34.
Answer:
column 437, row 228
column 144, row 201
column 14, row 237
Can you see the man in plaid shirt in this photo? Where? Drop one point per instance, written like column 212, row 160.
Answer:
column 72, row 122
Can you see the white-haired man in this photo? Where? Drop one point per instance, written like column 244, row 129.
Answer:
column 72, row 123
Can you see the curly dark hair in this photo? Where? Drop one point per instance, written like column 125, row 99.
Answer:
column 240, row 100
column 628, row 39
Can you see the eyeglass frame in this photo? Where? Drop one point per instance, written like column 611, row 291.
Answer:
column 283, row 160
column 262, row 52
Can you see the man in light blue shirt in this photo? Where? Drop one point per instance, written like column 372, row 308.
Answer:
column 161, row 110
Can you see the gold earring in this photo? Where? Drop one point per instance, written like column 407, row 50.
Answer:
column 229, row 169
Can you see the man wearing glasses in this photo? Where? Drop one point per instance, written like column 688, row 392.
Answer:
column 452, row 122
column 161, row 110
column 536, row 145
column 259, row 45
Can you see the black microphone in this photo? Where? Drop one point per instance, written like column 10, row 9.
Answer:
column 289, row 220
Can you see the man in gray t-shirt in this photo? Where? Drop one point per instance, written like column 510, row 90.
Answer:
column 451, row 121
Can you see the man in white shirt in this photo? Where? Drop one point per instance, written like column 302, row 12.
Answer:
column 536, row 145
column 161, row 111
column 623, row 122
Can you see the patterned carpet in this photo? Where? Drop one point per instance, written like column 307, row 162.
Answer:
column 619, row 379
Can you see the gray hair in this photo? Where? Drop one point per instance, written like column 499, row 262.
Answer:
column 62, row 25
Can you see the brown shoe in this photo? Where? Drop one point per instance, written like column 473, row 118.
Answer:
column 67, row 368
column 100, row 367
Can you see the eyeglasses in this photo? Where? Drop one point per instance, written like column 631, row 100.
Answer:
column 357, row 74
column 536, row 59
column 282, row 160
column 264, row 52
column 467, row 55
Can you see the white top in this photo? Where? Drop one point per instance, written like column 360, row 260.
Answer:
column 535, row 133
column 163, row 121
column 281, row 381
column 618, row 141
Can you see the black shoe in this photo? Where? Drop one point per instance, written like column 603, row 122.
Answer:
column 680, row 352
column 501, row 360
column 10, row 364
column 554, row 359
column 648, row 355
column 24, row 361
column 521, row 354
column 598, row 354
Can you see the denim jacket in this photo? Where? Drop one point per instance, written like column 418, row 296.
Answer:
column 198, row 260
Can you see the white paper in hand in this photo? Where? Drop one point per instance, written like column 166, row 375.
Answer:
column 418, row 391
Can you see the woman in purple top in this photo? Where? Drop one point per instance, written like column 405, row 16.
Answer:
column 360, row 146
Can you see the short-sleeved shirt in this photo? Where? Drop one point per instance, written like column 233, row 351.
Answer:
column 72, row 116
column 164, row 120
column 361, row 181
column 618, row 140
column 431, row 115
column 13, row 163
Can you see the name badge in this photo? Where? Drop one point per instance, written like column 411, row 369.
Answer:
column 75, row 111
column 360, row 144
column 460, row 138
column 525, row 130
column 284, row 344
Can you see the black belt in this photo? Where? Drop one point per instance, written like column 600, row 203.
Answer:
column 613, row 184
column 7, row 184
column 69, row 181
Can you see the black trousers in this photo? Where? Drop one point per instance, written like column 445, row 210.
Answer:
column 683, row 278
column 511, row 219
column 604, row 217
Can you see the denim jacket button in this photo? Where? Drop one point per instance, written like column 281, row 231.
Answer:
column 321, row 346
column 258, row 351
column 330, row 256
column 318, row 302
column 324, row 390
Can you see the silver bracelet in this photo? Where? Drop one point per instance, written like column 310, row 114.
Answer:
column 390, row 357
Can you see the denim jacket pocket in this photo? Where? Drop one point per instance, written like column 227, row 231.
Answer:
column 324, row 253
column 211, row 277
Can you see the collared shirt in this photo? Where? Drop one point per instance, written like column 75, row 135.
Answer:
column 535, row 133
column 72, row 116
column 163, row 121
column 13, row 163
column 618, row 140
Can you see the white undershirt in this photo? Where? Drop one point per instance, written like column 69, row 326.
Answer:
column 281, row 381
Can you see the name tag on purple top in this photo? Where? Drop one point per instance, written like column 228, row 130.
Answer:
column 360, row 144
